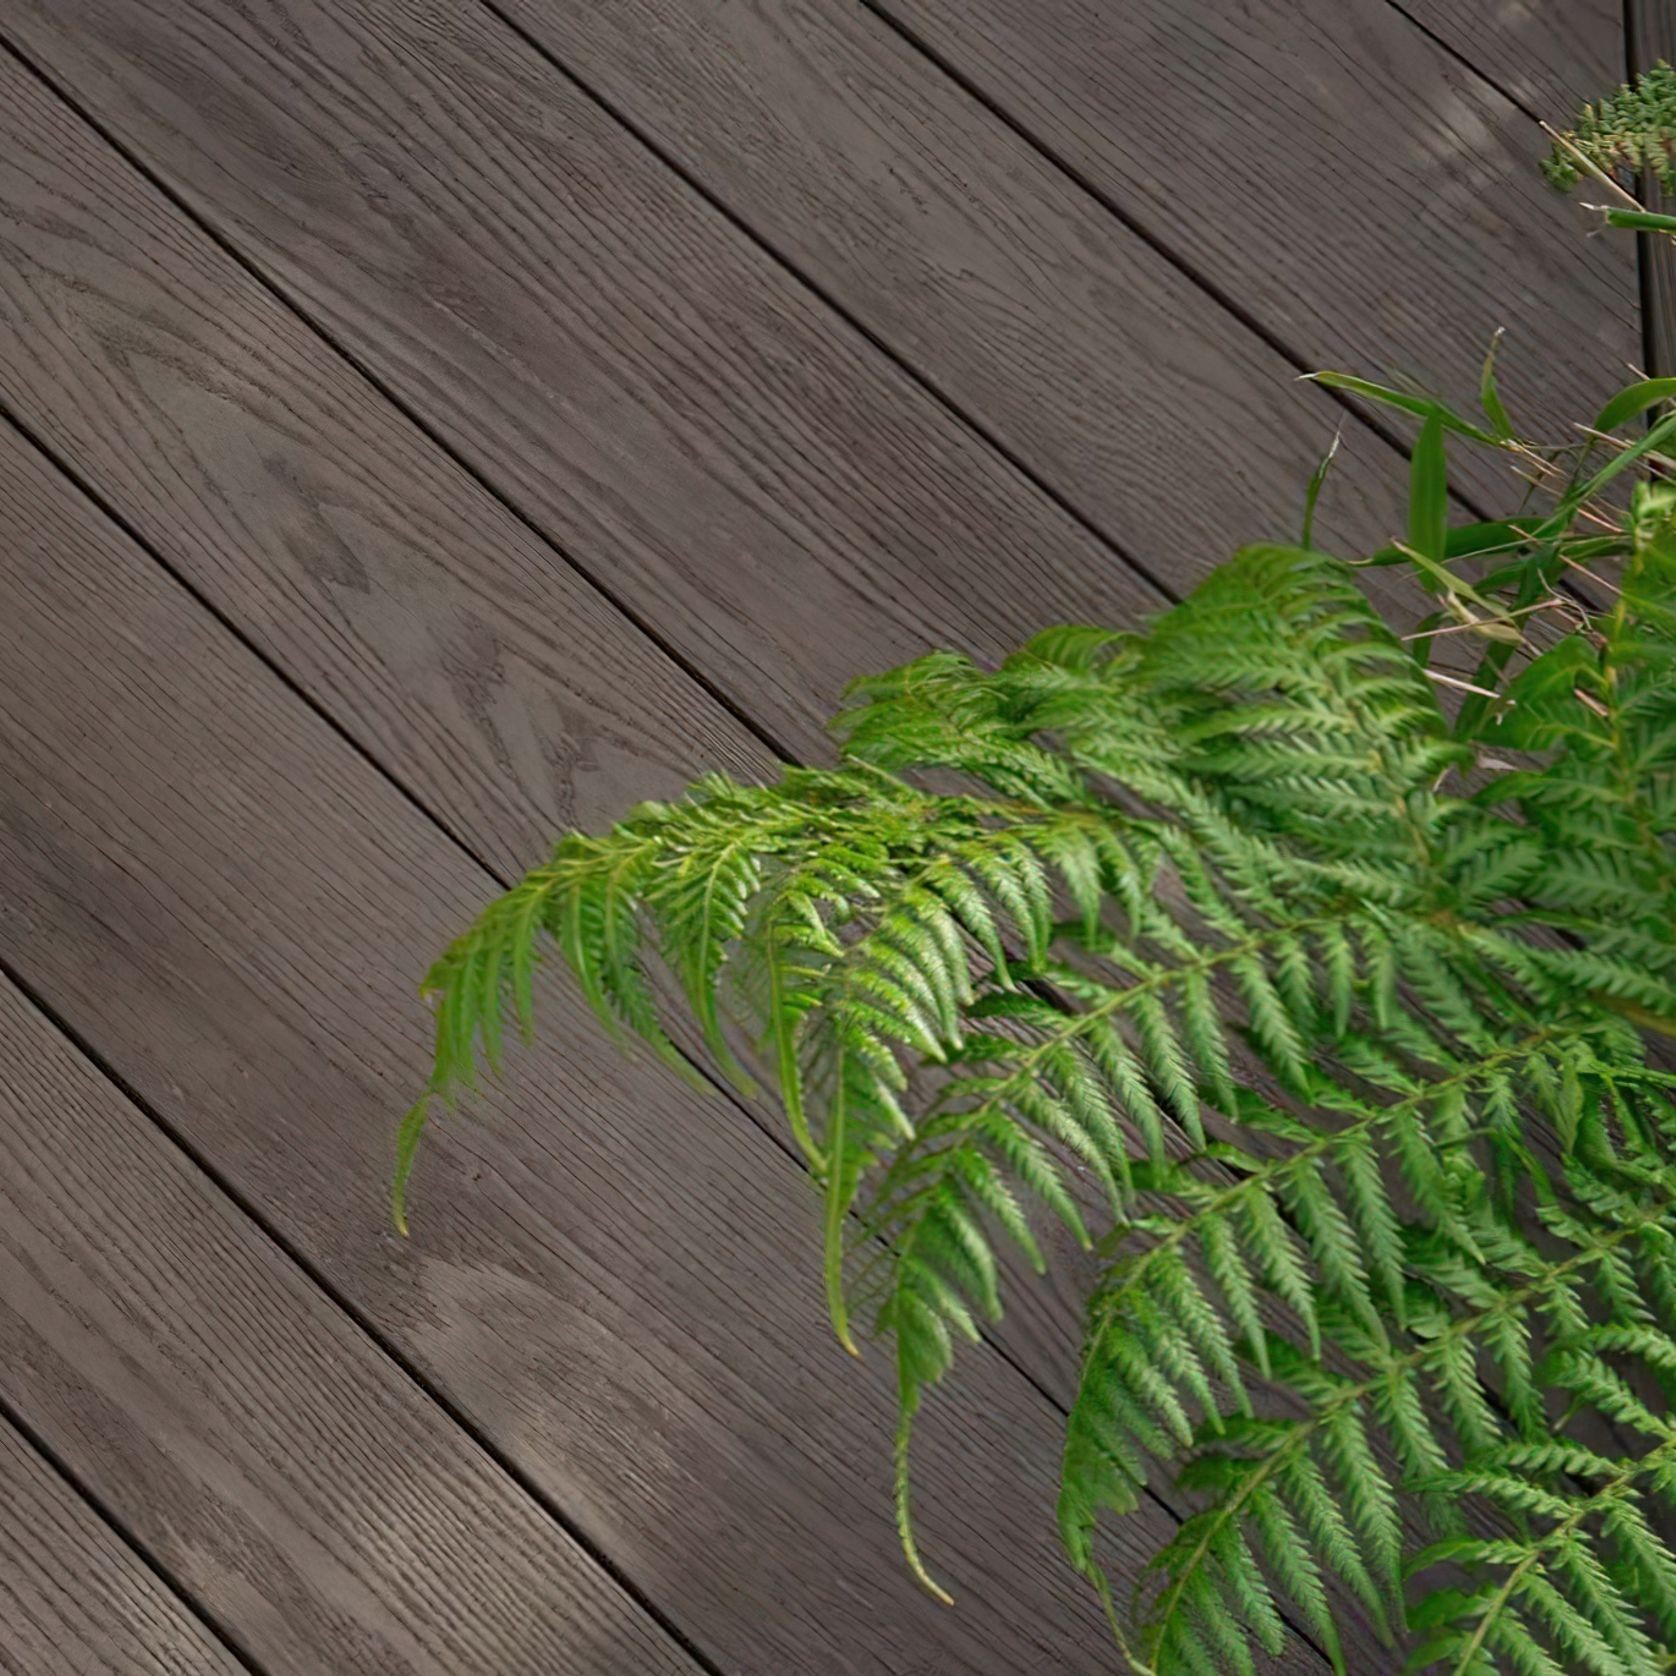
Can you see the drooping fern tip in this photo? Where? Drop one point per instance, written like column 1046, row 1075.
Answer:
column 1300, row 971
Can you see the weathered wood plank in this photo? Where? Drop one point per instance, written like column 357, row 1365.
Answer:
column 1548, row 57
column 216, row 424
column 1652, row 37
column 697, row 429
column 615, row 1281
column 296, row 1482
column 237, row 442
column 74, row 1597
column 1334, row 172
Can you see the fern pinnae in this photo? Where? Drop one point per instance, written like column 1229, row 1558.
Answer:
column 1444, row 1355
column 788, row 1070
column 1623, row 1647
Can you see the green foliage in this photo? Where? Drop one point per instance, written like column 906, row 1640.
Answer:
column 1303, row 974
column 1631, row 131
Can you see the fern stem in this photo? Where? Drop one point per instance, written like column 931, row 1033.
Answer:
column 1136, row 1665
column 909, row 1406
column 837, row 1208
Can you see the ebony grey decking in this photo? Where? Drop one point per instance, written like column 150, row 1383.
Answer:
column 427, row 424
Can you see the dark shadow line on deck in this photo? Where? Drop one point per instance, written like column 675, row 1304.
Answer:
column 175, row 1586
column 353, row 1312
column 1652, row 251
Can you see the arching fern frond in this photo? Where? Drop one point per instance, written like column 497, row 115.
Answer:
column 1318, row 1007
column 1580, row 1577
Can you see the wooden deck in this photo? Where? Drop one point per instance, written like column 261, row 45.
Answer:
column 429, row 424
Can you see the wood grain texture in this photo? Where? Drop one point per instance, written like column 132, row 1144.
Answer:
column 694, row 426
column 453, row 645
column 978, row 261
column 1339, row 176
column 165, row 374
column 1548, row 57
column 449, row 640
column 154, row 364
column 291, row 1477
column 75, row 1597
column 618, row 1282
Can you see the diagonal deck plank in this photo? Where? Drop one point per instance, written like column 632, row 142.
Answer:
column 73, row 1597
column 470, row 663
column 1652, row 40
column 217, row 426
column 453, row 643
column 1547, row 57
column 1336, row 174
column 449, row 642
column 616, row 1283
column 302, row 1488
column 695, row 428
column 237, row 443
column 1072, row 341
column 232, row 439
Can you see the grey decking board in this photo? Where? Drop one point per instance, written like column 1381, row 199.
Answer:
column 1652, row 40
column 286, row 1474
column 463, row 741
column 981, row 265
column 459, row 649
column 251, row 458
column 74, row 1597
column 461, row 654
column 697, row 430
column 1548, row 57
column 1364, row 197
column 616, row 1282
column 227, row 435
column 115, row 356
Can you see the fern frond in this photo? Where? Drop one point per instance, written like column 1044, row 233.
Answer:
column 1590, row 728
column 1587, row 1583
column 1206, row 959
